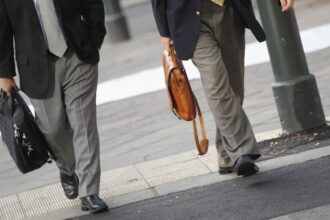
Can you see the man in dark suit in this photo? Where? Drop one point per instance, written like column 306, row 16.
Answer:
column 211, row 32
column 56, row 45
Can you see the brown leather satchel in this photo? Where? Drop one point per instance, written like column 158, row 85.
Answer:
column 182, row 100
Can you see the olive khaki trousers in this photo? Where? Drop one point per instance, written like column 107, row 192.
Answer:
column 68, row 120
column 219, row 57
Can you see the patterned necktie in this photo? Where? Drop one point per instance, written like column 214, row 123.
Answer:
column 218, row 2
column 55, row 38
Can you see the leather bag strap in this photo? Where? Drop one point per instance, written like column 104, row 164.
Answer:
column 169, row 66
column 203, row 145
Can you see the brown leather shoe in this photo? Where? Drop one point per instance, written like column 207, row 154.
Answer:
column 70, row 184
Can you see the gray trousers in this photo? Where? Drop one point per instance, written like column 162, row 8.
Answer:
column 68, row 120
column 219, row 56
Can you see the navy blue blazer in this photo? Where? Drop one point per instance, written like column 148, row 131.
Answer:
column 178, row 19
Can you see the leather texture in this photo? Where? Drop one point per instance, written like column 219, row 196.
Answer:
column 70, row 185
column 182, row 100
column 25, row 142
column 245, row 166
column 93, row 204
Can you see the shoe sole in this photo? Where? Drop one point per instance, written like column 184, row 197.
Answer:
column 73, row 196
column 246, row 169
column 227, row 170
column 99, row 210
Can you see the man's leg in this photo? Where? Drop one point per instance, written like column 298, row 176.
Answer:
column 237, row 134
column 52, row 121
column 79, row 88
column 231, row 40
column 224, row 162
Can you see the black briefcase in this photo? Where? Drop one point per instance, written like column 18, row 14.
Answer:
column 23, row 138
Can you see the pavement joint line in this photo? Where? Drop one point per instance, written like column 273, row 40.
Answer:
column 205, row 164
column 151, row 188
column 160, row 176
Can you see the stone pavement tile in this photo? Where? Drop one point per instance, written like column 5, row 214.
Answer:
column 44, row 200
column 116, row 185
column 210, row 160
column 121, row 181
column 68, row 213
column 320, row 213
column 172, row 169
column 10, row 208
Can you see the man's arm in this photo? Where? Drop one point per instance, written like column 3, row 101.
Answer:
column 7, row 65
column 159, row 9
column 93, row 14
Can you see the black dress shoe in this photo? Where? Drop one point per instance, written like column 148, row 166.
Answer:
column 70, row 184
column 226, row 170
column 245, row 166
column 93, row 204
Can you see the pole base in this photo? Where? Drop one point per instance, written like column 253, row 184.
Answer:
column 298, row 104
column 117, row 27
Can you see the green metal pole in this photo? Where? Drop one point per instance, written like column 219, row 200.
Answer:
column 297, row 98
column 115, row 21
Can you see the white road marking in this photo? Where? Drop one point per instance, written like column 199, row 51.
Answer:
column 152, row 80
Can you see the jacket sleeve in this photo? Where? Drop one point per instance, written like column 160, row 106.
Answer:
column 159, row 8
column 93, row 14
column 7, row 65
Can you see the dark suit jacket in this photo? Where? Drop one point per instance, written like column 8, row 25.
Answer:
column 82, row 22
column 180, row 20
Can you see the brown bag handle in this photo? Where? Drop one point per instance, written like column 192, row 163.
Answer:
column 203, row 145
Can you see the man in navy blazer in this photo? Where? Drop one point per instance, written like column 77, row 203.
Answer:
column 211, row 33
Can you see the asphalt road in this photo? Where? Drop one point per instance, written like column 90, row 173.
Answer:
column 263, row 196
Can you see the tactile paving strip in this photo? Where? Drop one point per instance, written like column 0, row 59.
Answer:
column 121, row 181
column 172, row 169
column 51, row 198
column 10, row 208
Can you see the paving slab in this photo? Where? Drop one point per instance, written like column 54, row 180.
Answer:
column 320, row 213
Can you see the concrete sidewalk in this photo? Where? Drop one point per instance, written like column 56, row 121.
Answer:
column 301, row 187
column 141, row 181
